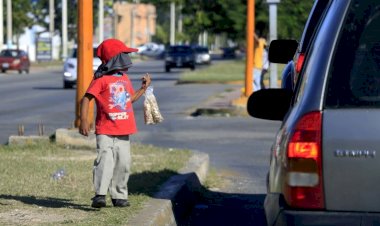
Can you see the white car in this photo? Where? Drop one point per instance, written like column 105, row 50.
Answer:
column 70, row 68
column 151, row 49
column 202, row 55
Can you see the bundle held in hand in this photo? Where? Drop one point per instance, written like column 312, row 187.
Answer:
column 152, row 113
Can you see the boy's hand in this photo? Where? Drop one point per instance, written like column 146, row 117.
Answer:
column 84, row 128
column 146, row 80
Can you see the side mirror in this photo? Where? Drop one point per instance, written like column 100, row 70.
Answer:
column 271, row 104
column 282, row 51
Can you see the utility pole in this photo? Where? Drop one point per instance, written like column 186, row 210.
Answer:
column 64, row 29
column 243, row 99
column 9, row 23
column 250, row 46
column 1, row 25
column 172, row 23
column 132, row 27
column 51, row 18
column 85, row 57
column 272, row 36
column 101, row 21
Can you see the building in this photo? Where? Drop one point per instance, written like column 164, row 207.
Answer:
column 134, row 23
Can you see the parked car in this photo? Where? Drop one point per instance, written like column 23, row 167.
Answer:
column 228, row 53
column 70, row 68
column 324, row 162
column 202, row 55
column 151, row 49
column 179, row 56
column 14, row 59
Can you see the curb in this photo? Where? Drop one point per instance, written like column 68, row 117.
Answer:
column 72, row 137
column 176, row 196
column 25, row 140
column 225, row 104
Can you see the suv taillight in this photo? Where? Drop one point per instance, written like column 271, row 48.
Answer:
column 300, row 60
column 303, row 185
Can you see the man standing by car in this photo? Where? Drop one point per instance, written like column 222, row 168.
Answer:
column 258, row 52
column 265, row 68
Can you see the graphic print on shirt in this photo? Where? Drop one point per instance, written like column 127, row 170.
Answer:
column 119, row 97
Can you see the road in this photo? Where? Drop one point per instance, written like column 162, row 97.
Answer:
column 238, row 146
column 33, row 99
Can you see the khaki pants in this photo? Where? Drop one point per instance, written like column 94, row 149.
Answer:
column 112, row 166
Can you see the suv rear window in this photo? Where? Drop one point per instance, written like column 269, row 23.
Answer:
column 355, row 74
column 180, row 49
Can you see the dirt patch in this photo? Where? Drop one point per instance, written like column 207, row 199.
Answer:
column 34, row 217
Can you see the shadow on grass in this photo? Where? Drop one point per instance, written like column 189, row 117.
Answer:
column 146, row 183
column 192, row 203
column 47, row 202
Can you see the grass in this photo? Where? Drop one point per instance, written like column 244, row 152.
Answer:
column 222, row 72
column 30, row 196
column 47, row 63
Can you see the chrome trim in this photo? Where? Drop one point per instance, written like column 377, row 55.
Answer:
column 355, row 153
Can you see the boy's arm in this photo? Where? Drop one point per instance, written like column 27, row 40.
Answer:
column 138, row 94
column 84, row 126
column 146, row 80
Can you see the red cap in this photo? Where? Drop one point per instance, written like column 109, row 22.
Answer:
column 112, row 47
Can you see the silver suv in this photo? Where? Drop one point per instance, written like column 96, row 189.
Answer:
column 325, row 163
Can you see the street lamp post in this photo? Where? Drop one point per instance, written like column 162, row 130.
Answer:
column 272, row 36
column 172, row 23
column 51, row 18
column 1, row 25
column 64, row 29
column 9, row 23
column 101, row 21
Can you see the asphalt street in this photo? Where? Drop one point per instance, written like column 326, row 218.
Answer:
column 238, row 146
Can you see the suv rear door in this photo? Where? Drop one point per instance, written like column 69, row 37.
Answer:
column 351, row 118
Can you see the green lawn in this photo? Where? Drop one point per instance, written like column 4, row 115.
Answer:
column 221, row 72
column 30, row 196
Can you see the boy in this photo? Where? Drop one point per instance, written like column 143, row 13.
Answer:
column 115, row 121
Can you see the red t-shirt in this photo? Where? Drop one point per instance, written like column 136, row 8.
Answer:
column 114, row 111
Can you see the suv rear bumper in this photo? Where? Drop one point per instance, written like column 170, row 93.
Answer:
column 278, row 215
column 320, row 218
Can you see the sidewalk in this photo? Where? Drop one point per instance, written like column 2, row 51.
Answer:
column 226, row 104
column 36, row 67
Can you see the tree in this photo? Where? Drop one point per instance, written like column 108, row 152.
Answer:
column 229, row 17
column 292, row 16
column 163, row 18
column 20, row 16
column 40, row 12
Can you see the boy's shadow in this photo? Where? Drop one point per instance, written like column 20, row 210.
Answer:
column 146, row 183
column 47, row 202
